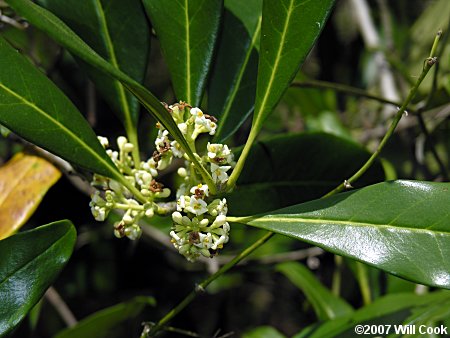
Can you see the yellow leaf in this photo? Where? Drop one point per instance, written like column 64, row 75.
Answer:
column 24, row 180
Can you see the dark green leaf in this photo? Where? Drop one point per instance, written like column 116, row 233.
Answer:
column 116, row 30
column 326, row 305
column 290, row 169
column 61, row 33
column 263, row 331
column 289, row 30
column 30, row 263
column 398, row 309
column 100, row 323
column 402, row 227
column 232, row 87
column 187, row 31
column 33, row 107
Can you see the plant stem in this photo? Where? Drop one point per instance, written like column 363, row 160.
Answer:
column 342, row 89
column 347, row 183
column 201, row 287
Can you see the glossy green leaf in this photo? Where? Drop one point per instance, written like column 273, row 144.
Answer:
column 402, row 227
column 263, row 331
column 289, row 30
column 275, row 180
column 62, row 34
column 100, row 323
column 394, row 310
column 118, row 31
column 325, row 304
column 232, row 86
column 34, row 108
column 187, row 31
column 30, row 263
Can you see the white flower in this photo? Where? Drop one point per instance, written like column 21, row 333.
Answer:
column 183, row 127
column 103, row 141
column 197, row 206
column 200, row 190
column 177, row 151
column 162, row 138
column 182, row 202
column 219, row 173
column 219, row 153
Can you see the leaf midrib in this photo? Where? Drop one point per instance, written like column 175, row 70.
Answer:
column 275, row 65
column 112, row 56
column 188, row 51
column 59, row 125
column 295, row 219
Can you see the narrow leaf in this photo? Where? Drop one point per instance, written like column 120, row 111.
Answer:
column 402, row 227
column 61, row 33
column 118, row 31
column 232, row 88
column 100, row 323
column 34, row 108
column 322, row 161
column 394, row 310
column 289, row 30
column 24, row 180
column 30, row 263
column 326, row 305
column 187, row 31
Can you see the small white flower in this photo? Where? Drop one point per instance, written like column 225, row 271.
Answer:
column 219, row 173
column 183, row 200
column 162, row 138
column 200, row 189
column 197, row 206
column 133, row 232
column 103, row 141
column 177, row 151
column 183, row 127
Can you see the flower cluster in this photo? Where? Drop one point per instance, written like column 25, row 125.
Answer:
column 200, row 226
column 203, row 229
column 113, row 195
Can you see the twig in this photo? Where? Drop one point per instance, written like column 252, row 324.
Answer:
column 343, row 89
column 60, row 306
column 372, row 41
column 428, row 64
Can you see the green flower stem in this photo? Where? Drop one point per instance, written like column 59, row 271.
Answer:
column 231, row 183
column 427, row 66
column 202, row 286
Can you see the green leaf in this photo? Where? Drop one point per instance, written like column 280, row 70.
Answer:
column 398, row 309
column 289, row 30
column 322, row 161
column 118, row 31
column 34, row 108
column 100, row 323
column 325, row 304
column 30, row 263
column 232, row 86
column 402, row 227
column 62, row 34
column 264, row 331
column 187, row 31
